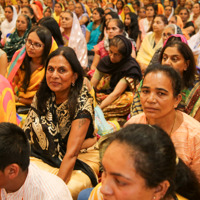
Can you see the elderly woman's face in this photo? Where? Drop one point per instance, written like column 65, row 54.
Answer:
column 21, row 23
column 167, row 32
column 59, row 76
column 156, row 96
column 120, row 179
column 175, row 59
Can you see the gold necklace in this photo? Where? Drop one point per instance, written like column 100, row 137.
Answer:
column 172, row 125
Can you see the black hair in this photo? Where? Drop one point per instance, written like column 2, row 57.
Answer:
column 153, row 6
column 133, row 28
column 170, row 72
column 137, row 3
column 51, row 24
column 188, row 75
column 121, row 2
column 14, row 146
column 9, row 7
column 152, row 151
column 155, row 159
column 119, row 24
column 188, row 12
column 58, row 4
column 44, row 92
column 46, row 38
column 101, row 13
column 32, row 13
column 114, row 16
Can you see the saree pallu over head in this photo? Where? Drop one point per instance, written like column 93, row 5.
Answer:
column 48, row 133
column 7, row 27
column 78, row 43
column 123, row 14
column 127, row 67
column 15, row 42
column 148, row 49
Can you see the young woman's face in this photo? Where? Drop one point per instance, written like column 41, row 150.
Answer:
column 158, row 25
column 196, row 9
column 108, row 17
column 113, row 29
column 175, row 59
column 59, row 75
column 127, row 21
column 166, row 3
column 96, row 16
column 21, row 23
column 119, row 5
column 168, row 11
column 157, row 97
column 183, row 15
column 66, row 20
column 25, row 3
column 172, row 20
column 120, row 179
column 8, row 14
column 34, row 46
column 126, row 10
column 150, row 11
column 114, row 54
column 57, row 9
column 47, row 13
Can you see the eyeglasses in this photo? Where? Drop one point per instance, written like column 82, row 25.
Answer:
column 34, row 45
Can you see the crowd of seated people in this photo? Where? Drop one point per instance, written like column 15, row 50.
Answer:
column 74, row 72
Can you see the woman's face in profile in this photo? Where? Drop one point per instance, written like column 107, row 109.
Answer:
column 66, row 20
column 120, row 179
column 59, row 76
column 157, row 95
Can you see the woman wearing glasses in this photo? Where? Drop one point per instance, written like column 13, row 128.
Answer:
column 26, row 69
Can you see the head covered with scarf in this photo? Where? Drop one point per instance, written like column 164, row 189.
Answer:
column 16, row 42
column 126, row 67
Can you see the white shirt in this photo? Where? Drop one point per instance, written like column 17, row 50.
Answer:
column 39, row 185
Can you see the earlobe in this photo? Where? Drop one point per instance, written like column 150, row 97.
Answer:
column 161, row 190
column 12, row 171
column 187, row 65
column 75, row 77
column 178, row 100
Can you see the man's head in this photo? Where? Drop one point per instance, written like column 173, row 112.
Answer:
column 14, row 153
